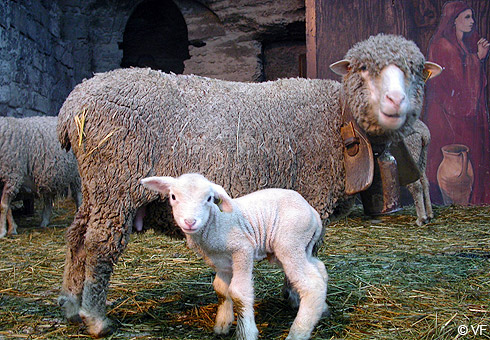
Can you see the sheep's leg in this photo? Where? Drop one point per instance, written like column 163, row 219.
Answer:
column 224, row 316
column 105, row 241
column 12, row 226
column 426, row 194
column 76, row 195
column 9, row 192
column 418, row 198
column 242, row 293
column 47, row 210
column 74, row 273
column 308, row 277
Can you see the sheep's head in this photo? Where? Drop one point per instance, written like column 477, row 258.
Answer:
column 192, row 198
column 383, row 83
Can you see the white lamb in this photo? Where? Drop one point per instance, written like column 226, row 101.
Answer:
column 275, row 223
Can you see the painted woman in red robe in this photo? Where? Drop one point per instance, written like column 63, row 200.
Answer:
column 456, row 111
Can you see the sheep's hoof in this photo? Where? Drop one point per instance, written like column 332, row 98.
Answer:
column 422, row 220
column 97, row 327
column 70, row 306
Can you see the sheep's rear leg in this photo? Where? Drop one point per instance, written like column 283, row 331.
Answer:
column 12, row 226
column 224, row 315
column 47, row 211
column 104, row 243
column 8, row 194
column 74, row 272
column 308, row 277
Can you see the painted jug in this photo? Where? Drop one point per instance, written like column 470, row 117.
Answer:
column 455, row 174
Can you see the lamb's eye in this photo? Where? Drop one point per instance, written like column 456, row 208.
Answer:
column 173, row 197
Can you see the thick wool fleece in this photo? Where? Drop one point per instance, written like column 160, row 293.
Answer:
column 243, row 136
column 30, row 150
column 32, row 159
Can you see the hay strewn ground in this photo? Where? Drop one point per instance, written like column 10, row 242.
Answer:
column 389, row 279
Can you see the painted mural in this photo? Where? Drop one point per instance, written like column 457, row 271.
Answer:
column 456, row 110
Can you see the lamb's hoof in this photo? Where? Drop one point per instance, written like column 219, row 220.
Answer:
column 70, row 306
column 97, row 327
column 222, row 329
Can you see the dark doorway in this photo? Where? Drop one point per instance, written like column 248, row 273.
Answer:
column 156, row 36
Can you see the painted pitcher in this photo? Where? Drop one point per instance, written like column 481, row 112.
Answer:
column 455, row 174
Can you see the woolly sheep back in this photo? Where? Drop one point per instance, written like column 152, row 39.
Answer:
column 31, row 157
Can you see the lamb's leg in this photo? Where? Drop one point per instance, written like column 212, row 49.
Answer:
column 323, row 272
column 8, row 193
column 47, row 210
column 224, row 316
column 310, row 282
column 74, row 273
column 105, row 241
column 242, row 293
column 418, row 198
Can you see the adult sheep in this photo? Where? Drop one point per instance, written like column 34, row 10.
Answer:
column 128, row 124
column 33, row 162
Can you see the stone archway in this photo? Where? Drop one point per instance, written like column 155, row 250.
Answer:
column 156, row 36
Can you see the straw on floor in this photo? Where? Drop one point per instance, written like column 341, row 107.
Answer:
column 389, row 279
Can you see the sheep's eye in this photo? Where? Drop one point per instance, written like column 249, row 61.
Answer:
column 363, row 68
column 210, row 198
column 173, row 197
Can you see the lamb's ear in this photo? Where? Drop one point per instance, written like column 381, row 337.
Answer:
column 223, row 200
column 158, row 184
column 431, row 70
column 341, row 67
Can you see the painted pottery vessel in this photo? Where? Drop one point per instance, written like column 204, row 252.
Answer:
column 455, row 174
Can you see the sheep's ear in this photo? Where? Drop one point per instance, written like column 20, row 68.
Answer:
column 158, row 184
column 431, row 70
column 341, row 67
column 223, row 200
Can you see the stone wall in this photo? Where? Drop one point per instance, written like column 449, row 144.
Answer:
column 36, row 68
column 47, row 47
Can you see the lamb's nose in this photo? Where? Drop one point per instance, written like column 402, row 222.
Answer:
column 190, row 222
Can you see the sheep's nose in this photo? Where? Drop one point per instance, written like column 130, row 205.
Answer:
column 190, row 222
column 395, row 98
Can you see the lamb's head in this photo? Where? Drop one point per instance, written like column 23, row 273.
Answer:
column 383, row 83
column 192, row 197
